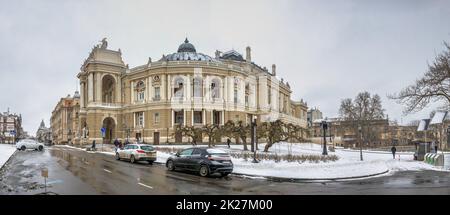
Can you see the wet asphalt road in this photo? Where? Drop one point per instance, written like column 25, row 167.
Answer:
column 73, row 171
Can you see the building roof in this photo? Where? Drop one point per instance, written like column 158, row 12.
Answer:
column 187, row 52
column 232, row 55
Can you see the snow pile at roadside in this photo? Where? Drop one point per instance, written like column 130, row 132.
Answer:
column 6, row 151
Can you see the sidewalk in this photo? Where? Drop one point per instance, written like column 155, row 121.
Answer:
column 6, row 151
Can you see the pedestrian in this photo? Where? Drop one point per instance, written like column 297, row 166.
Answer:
column 228, row 142
column 393, row 150
column 116, row 144
column 93, row 144
column 120, row 144
column 435, row 148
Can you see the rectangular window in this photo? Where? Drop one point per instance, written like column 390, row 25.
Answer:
column 216, row 117
column 139, row 118
column 141, row 96
column 269, row 95
column 198, row 117
column 156, row 119
column 157, row 93
column 179, row 117
column 235, row 96
column 246, row 100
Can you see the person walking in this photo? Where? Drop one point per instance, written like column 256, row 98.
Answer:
column 116, row 144
column 393, row 150
column 228, row 142
column 93, row 144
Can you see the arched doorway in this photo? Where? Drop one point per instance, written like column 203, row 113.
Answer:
column 108, row 88
column 110, row 126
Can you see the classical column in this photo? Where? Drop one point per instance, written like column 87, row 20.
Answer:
column 98, row 89
column 119, row 91
column 132, row 92
column 82, row 95
column 91, row 87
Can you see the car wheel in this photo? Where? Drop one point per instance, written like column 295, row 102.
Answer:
column 23, row 148
column 225, row 174
column 117, row 156
column 170, row 165
column 204, row 171
column 132, row 160
column 150, row 162
column 40, row 148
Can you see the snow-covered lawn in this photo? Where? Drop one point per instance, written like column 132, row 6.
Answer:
column 6, row 150
column 348, row 165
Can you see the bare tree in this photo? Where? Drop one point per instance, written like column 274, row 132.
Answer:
column 278, row 131
column 433, row 87
column 212, row 131
column 361, row 112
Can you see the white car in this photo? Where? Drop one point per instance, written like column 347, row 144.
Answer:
column 137, row 152
column 29, row 144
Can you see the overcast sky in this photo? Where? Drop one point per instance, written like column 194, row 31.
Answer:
column 327, row 50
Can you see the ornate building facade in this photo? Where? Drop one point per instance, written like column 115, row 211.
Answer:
column 44, row 134
column 186, row 87
column 10, row 127
column 64, row 120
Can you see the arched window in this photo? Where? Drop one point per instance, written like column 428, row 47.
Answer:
column 108, row 84
column 178, row 89
column 215, row 88
column 140, row 91
column 197, row 87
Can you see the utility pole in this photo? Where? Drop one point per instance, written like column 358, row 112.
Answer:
column 324, row 128
column 360, row 143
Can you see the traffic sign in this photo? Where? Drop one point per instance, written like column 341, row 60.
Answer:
column 103, row 130
column 12, row 132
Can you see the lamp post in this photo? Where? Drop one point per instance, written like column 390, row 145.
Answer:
column 254, row 139
column 360, row 142
column 324, row 128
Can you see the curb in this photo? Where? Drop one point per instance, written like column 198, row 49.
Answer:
column 309, row 180
column 1, row 168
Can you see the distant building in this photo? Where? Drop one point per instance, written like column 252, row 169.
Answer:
column 314, row 114
column 10, row 127
column 345, row 133
column 64, row 120
column 44, row 134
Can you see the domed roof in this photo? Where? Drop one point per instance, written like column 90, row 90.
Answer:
column 187, row 52
column 186, row 47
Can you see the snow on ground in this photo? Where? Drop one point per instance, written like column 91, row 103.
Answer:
column 348, row 165
column 6, row 150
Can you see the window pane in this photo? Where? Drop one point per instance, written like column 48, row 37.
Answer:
column 186, row 152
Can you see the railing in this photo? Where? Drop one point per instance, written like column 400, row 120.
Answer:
column 105, row 105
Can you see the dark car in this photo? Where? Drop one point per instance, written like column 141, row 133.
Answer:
column 205, row 161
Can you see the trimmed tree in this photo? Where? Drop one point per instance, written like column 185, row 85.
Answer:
column 212, row 131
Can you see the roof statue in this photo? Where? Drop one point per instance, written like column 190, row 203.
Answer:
column 104, row 44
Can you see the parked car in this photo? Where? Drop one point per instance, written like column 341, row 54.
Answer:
column 137, row 152
column 205, row 161
column 29, row 144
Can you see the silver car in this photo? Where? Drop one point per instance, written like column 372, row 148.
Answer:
column 137, row 152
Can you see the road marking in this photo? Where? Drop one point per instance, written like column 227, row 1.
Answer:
column 145, row 185
column 107, row 171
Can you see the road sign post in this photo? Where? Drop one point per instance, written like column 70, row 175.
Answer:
column 44, row 173
column 103, row 130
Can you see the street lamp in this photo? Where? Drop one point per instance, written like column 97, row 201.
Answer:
column 360, row 142
column 254, row 139
column 324, row 128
